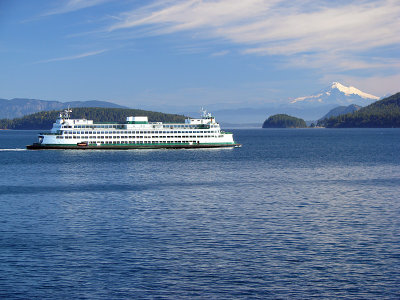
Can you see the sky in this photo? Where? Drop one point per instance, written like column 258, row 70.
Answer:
column 177, row 53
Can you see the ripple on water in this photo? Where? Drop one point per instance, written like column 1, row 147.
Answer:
column 291, row 214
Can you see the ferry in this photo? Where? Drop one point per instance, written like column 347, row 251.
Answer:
column 136, row 133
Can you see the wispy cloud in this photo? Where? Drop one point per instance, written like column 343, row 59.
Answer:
column 73, row 5
column 299, row 29
column 221, row 53
column 73, row 57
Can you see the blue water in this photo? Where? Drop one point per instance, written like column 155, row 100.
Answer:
column 293, row 214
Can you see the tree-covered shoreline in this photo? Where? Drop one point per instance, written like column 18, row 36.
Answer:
column 284, row 121
column 45, row 119
column 384, row 113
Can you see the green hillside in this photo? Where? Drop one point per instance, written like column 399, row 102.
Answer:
column 45, row 119
column 284, row 121
column 384, row 113
column 341, row 110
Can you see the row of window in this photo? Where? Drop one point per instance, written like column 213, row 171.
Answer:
column 136, row 132
column 144, row 142
column 137, row 137
column 120, row 126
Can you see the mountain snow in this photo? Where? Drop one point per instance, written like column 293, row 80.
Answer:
column 351, row 90
column 337, row 94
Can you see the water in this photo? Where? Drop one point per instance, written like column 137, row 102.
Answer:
column 292, row 214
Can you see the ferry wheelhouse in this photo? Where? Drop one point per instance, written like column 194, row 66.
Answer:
column 136, row 133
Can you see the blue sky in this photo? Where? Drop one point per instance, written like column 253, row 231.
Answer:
column 179, row 53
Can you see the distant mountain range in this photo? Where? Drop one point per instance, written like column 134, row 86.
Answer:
column 314, row 106
column 19, row 107
column 336, row 94
column 311, row 107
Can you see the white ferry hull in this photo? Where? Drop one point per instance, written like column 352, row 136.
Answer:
column 37, row 146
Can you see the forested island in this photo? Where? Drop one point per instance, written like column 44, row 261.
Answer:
column 284, row 121
column 45, row 119
column 384, row 113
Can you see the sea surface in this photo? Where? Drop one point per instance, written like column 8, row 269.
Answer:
column 293, row 214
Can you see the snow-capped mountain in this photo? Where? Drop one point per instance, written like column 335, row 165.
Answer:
column 337, row 94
